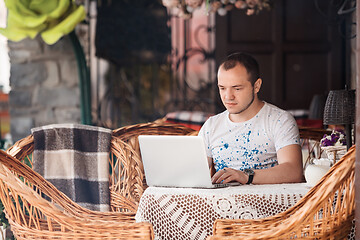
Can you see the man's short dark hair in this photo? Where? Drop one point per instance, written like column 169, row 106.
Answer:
column 250, row 64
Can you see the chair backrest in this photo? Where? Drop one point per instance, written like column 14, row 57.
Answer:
column 127, row 176
column 325, row 212
column 37, row 210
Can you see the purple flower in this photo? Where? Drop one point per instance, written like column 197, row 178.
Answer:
column 335, row 138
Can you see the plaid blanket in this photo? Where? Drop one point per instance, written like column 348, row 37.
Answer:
column 74, row 158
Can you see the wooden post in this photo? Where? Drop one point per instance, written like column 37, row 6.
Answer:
column 357, row 124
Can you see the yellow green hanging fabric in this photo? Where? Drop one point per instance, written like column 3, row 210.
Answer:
column 52, row 19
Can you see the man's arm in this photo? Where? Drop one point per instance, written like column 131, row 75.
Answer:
column 289, row 170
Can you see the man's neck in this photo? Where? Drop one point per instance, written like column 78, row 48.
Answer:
column 249, row 113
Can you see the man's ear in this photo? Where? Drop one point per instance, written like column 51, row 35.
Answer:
column 257, row 85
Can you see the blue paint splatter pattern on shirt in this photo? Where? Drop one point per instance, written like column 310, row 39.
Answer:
column 251, row 144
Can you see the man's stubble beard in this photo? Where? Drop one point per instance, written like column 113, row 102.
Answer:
column 249, row 104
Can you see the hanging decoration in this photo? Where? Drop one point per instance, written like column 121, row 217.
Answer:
column 50, row 18
column 185, row 8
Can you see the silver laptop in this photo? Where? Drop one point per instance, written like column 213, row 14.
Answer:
column 176, row 161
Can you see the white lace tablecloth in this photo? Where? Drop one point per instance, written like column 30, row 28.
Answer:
column 188, row 213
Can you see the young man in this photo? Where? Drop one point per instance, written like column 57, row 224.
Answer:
column 252, row 141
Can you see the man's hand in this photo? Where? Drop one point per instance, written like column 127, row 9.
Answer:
column 227, row 175
column 289, row 170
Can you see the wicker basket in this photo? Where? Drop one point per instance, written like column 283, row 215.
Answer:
column 334, row 153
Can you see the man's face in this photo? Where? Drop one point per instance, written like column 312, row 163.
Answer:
column 236, row 91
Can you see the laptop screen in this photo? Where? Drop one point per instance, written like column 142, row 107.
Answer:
column 175, row 161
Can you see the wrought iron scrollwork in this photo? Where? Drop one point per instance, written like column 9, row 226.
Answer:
column 189, row 93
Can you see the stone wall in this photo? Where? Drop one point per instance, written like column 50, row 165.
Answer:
column 44, row 85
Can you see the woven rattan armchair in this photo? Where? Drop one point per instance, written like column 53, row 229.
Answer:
column 325, row 212
column 127, row 179
column 37, row 210
column 23, row 149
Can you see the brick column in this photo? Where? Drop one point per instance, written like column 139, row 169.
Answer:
column 44, row 85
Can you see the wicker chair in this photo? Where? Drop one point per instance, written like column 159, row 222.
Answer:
column 325, row 212
column 37, row 210
column 127, row 179
column 22, row 150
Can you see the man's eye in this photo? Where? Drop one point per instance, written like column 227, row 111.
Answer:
column 237, row 89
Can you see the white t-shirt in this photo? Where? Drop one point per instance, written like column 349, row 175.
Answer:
column 252, row 144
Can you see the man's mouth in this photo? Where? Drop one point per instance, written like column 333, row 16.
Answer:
column 230, row 104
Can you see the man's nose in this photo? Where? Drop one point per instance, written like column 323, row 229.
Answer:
column 229, row 95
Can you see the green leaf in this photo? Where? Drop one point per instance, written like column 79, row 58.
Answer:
column 20, row 6
column 62, row 7
column 17, row 34
column 52, row 35
column 43, row 6
column 26, row 20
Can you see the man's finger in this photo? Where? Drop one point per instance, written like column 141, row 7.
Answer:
column 218, row 176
